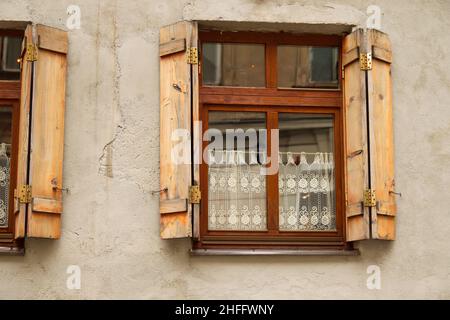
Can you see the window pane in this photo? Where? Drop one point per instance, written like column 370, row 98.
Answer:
column 10, row 52
column 307, row 67
column 306, row 180
column 233, row 64
column 236, row 187
column 5, row 149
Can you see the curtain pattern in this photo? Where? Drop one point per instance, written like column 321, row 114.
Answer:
column 306, row 192
column 236, row 192
column 4, row 186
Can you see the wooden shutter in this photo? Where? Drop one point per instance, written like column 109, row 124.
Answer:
column 178, row 110
column 46, row 133
column 369, row 135
column 20, row 208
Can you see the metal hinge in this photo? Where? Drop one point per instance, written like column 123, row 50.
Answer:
column 31, row 53
column 365, row 61
column 24, row 193
column 192, row 55
column 369, row 198
column 195, row 194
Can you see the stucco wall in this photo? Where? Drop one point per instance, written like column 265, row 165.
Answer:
column 111, row 220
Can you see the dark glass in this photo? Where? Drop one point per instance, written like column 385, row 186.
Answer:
column 10, row 50
column 233, row 64
column 307, row 67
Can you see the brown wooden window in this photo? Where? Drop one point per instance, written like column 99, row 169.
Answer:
column 266, row 82
column 326, row 98
column 32, row 95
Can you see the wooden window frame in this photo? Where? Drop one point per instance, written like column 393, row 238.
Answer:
column 10, row 96
column 271, row 100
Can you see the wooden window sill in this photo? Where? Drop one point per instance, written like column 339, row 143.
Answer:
column 268, row 252
column 12, row 251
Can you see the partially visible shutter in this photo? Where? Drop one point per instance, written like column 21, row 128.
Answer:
column 20, row 208
column 381, row 136
column 176, row 114
column 47, row 133
column 358, row 222
column 369, row 135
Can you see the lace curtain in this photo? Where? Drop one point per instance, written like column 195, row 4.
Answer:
column 4, row 186
column 236, row 192
column 306, row 192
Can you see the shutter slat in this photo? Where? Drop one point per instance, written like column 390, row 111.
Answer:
column 20, row 209
column 357, row 216
column 381, row 137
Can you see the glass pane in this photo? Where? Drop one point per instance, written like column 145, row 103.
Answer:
column 306, row 180
column 233, row 64
column 236, row 187
column 5, row 149
column 307, row 67
column 10, row 52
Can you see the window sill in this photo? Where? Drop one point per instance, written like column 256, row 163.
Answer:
column 12, row 251
column 266, row 252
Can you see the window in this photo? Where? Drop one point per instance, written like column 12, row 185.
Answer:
column 301, row 200
column 31, row 187
column 288, row 140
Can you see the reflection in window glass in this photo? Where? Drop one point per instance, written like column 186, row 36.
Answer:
column 307, row 67
column 306, row 180
column 5, row 149
column 233, row 64
column 10, row 50
column 236, row 188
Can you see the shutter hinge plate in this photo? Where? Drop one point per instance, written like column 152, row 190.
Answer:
column 195, row 194
column 369, row 198
column 31, row 53
column 192, row 55
column 24, row 193
column 365, row 61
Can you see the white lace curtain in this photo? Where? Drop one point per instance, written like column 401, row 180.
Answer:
column 237, row 191
column 306, row 190
column 4, row 186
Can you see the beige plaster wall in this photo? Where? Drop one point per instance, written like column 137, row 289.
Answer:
column 111, row 221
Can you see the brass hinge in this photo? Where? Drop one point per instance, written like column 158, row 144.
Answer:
column 31, row 53
column 365, row 61
column 192, row 55
column 24, row 193
column 369, row 198
column 195, row 194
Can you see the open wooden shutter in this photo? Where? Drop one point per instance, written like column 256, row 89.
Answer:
column 41, row 133
column 20, row 206
column 178, row 110
column 370, row 198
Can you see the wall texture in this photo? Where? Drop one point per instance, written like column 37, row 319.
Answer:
column 111, row 220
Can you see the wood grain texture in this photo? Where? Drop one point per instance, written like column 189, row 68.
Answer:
column 47, row 133
column 356, row 166
column 20, row 209
column 381, row 135
column 175, row 114
column 52, row 39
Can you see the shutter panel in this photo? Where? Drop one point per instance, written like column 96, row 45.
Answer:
column 177, row 112
column 357, row 215
column 47, row 133
column 369, row 136
column 381, row 136
column 20, row 209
